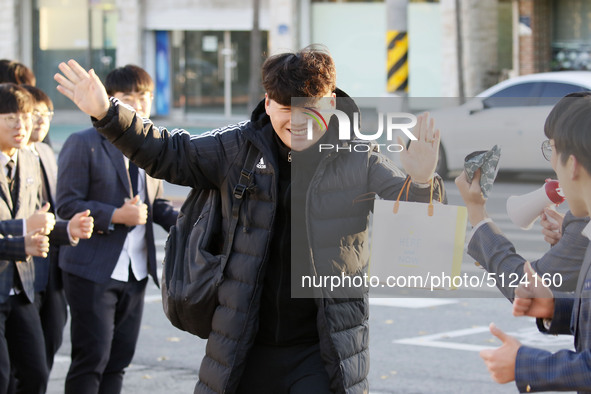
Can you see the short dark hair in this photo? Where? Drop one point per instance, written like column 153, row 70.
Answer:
column 39, row 96
column 127, row 79
column 16, row 72
column 14, row 98
column 309, row 72
column 569, row 125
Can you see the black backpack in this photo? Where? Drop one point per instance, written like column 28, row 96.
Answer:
column 196, row 254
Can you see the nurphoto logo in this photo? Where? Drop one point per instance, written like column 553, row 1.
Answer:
column 394, row 121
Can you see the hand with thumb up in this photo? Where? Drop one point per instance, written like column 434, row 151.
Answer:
column 42, row 219
column 501, row 361
column 81, row 225
column 132, row 213
column 36, row 244
column 532, row 298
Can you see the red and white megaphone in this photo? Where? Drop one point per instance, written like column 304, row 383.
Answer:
column 524, row 210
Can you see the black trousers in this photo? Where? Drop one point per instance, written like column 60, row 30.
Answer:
column 22, row 347
column 284, row 370
column 105, row 324
column 53, row 311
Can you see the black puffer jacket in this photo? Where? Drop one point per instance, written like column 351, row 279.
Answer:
column 337, row 233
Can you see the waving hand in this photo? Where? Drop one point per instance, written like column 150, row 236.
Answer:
column 83, row 88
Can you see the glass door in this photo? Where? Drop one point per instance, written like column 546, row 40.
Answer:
column 202, row 84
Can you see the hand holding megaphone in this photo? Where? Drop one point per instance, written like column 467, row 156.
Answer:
column 524, row 210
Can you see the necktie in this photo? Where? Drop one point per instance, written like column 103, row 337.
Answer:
column 133, row 174
column 9, row 178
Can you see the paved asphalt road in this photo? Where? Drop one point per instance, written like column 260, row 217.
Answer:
column 421, row 345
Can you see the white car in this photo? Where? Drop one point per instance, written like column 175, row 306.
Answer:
column 510, row 114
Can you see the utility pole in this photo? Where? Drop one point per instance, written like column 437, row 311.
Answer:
column 460, row 51
column 397, row 46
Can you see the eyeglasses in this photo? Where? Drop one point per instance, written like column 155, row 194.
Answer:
column 12, row 120
column 547, row 150
column 45, row 116
column 143, row 99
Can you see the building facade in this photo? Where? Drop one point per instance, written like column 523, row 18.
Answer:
column 198, row 50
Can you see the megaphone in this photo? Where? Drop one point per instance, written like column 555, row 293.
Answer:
column 524, row 210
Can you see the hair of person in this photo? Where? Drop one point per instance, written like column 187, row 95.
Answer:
column 14, row 98
column 127, row 79
column 16, row 72
column 39, row 96
column 569, row 125
column 309, row 72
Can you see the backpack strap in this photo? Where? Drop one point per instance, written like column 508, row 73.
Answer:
column 246, row 176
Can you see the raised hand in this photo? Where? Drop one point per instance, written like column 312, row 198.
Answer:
column 85, row 89
column 81, row 225
column 42, row 219
column 533, row 298
column 420, row 159
column 131, row 213
column 36, row 244
column 551, row 225
column 501, row 361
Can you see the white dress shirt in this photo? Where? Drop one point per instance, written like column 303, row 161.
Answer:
column 135, row 249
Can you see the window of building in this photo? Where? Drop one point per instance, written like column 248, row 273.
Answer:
column 571, row 41
column 84, row 30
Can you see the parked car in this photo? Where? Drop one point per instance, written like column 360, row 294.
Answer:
column 510, row 114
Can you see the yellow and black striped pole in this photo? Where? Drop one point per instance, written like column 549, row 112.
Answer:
column 397, row 61
column 397, row 46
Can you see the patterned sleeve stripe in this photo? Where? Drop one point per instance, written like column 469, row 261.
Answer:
column 221, row 130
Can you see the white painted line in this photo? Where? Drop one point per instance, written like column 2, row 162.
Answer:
column 61, row 359
column 413, row 303
column 435, row 340
column 153, row 298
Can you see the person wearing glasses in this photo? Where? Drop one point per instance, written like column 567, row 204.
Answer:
column 496, row 254
column 22, row 349
column 535, row 370
column 105, row 277
column 50, row 299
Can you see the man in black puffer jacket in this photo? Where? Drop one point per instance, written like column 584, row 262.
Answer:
column 263, row 340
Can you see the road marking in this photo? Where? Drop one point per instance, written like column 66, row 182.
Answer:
column 153, row 298
column 61, row 359
column 435, row 340
column 413, row 303
column 527, row 336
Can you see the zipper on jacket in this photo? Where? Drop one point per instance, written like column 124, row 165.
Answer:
column 289, row 156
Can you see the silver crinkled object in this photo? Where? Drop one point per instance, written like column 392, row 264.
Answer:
column 488, row 162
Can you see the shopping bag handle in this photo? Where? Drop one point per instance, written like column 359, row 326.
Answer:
column 406, row 186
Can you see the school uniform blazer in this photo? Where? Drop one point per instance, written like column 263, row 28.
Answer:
column 564, row 370
column 495, row 253
column 59, row 235
column 28, row 180
column 92, row 175
column 12, row 244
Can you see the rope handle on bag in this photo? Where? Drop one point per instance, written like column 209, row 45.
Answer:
column 406, row 186
column 397, row 203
